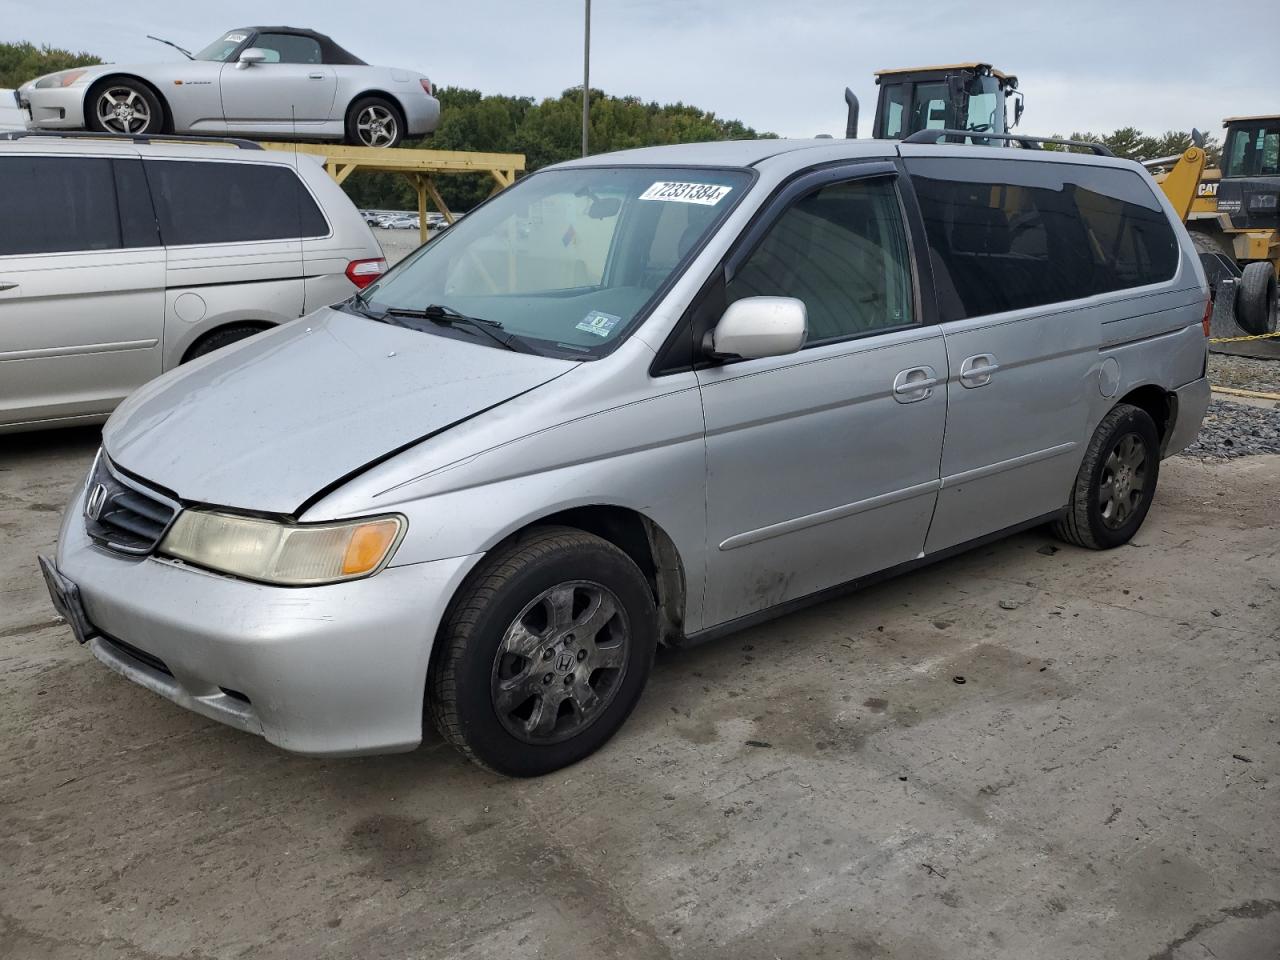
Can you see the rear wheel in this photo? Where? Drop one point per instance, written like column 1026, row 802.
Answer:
column 218, row 339
column 1256, row 304
column 374, row 122
column 123, row 106
column 1116, row 481
column 544, row 654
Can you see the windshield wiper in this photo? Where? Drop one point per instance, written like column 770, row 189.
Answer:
column 169, row 43
column 447, row 316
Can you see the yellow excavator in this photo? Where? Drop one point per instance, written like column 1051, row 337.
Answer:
column 1233, row 214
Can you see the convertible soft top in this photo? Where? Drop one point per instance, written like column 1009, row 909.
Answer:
column 330, row 52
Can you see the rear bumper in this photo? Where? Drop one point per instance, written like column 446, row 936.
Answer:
column 421, row 114
column 333, row 670
column 1192, row 402
column 55, row 109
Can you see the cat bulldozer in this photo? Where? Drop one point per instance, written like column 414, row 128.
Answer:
column 1233, row 214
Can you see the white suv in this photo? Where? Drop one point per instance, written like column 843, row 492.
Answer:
column 121, row 258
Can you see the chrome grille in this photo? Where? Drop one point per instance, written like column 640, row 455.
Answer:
column 122, row 515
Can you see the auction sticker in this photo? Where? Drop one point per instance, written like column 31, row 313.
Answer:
column 601, row 324
column 707, row 194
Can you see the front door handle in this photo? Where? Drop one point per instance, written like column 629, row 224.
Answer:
column 8, row 285
column 315, row 76
column 976, row 371
column 914, row 384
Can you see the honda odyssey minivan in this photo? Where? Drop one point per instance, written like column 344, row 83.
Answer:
column 637, row 399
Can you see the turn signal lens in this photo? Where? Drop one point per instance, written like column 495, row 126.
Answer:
column 295, row 555
column 426, row 87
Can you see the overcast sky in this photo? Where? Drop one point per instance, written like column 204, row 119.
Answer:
column 778, row 65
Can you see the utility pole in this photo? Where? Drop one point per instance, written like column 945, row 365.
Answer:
column 586, row 80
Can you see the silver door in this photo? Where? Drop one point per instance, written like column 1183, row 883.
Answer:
column 822, row 466
column 79, row 328
column 292, row 86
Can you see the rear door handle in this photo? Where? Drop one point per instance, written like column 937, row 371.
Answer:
column 976, row 371
column 914, row 384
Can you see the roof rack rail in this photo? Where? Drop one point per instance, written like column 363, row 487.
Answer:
column 130, row 137
column 1030, row 143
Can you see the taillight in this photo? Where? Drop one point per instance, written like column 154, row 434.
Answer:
column 1207, row 320
column 364, row 272
column 426, row 87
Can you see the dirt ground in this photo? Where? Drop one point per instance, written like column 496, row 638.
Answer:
column 1102, row 784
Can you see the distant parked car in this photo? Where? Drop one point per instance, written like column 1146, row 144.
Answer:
column 280, row 82
column 119, row 261
column 405, row 223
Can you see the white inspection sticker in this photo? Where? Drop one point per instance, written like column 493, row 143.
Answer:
column 234, row 38
column 601, row 324
column 707, row 194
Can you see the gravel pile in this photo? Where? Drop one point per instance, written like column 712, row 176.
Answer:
column 1236, row 430
column 1244, row 373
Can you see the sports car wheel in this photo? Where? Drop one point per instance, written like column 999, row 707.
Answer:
column 374, row 122
column 124, row 106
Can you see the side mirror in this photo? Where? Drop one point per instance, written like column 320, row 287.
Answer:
column 251, row 56
column 760, row 327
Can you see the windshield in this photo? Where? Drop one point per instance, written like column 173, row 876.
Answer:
column 566, row 260
column 1253, row 149
column 223, row 47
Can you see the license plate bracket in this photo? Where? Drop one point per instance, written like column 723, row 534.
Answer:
column 66, row 600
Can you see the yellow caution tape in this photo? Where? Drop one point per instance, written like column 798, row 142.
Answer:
column 1256, row 336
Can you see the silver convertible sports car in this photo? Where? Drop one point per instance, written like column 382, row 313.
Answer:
column 278, row 82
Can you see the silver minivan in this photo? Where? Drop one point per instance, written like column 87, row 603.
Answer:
column 121, row 258
column 637, row 399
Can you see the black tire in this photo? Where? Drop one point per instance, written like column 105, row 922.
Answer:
column 473, row 665
column 222, row 337
column 1086, row 522
column 1256, row 303
column 129, row 93
column 386, row 116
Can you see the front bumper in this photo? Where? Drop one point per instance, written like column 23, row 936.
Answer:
column 333, row 670
column 54, row 108
column 1192, row 402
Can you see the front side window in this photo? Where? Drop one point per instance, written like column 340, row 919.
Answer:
column 566, row 259
column 1253, row 150
column 288, row 48
column 1010, row 235
column 217, row 202
column 57, row 205
column 842, row 250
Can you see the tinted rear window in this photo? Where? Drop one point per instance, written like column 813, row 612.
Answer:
column 1007, row 235
column 57, row 204
column 212, row 202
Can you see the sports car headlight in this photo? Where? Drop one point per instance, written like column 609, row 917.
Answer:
column 305, row 554
column 63, row 79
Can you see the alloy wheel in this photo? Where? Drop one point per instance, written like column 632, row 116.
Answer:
column 1123, row 482
column 377, row 126
column 123, row 110
column 560, row 662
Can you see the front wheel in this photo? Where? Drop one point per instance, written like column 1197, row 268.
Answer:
column 544, row 653
column 124, row 106
column 374, row 122
column 1116, row 481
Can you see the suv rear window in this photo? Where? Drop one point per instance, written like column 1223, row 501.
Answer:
column 215, row 202
column 1008, row 235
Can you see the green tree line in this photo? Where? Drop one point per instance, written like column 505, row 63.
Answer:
column 20, row 62
column 1132, row 144
column 545, row 132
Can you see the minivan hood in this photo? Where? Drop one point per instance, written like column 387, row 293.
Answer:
column 267, row 424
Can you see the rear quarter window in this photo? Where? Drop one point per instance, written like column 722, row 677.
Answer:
column 1008, row 235
column 215, row 202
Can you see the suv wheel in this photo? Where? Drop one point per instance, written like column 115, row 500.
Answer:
column 124, row 106
column 1116, row 482
column 544, row 653
column 374, row 122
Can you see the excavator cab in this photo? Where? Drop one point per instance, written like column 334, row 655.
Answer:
column 960, row 96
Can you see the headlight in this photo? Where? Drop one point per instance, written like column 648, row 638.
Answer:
column 64, row 79
column 287, row 554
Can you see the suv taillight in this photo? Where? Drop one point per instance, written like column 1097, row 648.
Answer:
column 364, row 272
column 1207, row 320
column 426, row 87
